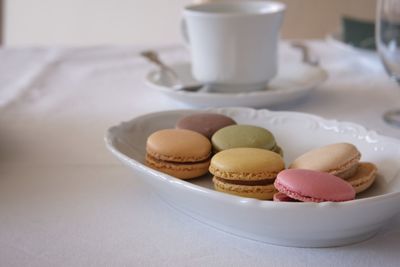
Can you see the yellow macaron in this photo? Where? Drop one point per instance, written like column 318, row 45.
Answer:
column 247, row 172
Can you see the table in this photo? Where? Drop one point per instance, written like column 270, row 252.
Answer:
column 66, row 201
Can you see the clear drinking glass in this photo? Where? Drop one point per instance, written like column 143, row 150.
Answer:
column 388, row 45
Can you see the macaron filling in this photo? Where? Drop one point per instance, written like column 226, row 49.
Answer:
column 177, row 162
column 264, row 192
column 177, row 158
column 358, row 184
column 281, row 197
column 347, row 170
column 246, row 182
column 183, row 170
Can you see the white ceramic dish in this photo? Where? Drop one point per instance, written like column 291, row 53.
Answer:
column 295, row 79
column 290, row 224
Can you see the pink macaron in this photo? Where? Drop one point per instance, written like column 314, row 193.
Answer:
column 281, row 197
column 313, row 186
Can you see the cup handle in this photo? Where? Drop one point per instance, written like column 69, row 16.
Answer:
column 184, row 32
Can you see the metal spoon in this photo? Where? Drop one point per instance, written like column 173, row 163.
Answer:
column 307, row 57
column 169, row 73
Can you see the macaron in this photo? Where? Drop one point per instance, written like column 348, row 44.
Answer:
column 339, row 159
column 244, row 136
column 364, row 177
column 247, row 172
column 313, row 186
column 205, row 123
column 281, row 197
column 181, row 153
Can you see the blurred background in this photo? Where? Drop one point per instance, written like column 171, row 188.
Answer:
column 149, row 22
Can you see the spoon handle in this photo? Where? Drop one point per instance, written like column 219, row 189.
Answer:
column 307, row 56
column 153, row 57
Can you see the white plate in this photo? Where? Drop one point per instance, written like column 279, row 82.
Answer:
column 294, row 80
column 289, row 224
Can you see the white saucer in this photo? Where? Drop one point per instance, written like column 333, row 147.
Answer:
column 283, row 223
column 294, row 80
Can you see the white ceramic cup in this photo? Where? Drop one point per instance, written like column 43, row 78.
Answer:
column 234, row 45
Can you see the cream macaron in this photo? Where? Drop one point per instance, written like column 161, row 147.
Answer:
column 339, row 159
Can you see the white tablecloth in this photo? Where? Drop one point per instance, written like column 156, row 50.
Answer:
column 65, row 201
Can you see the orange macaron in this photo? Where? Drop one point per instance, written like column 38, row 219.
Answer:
column 181, row 153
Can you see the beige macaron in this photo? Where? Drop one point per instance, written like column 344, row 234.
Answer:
column 364, row 177
column 181, row 153
column 340, row 159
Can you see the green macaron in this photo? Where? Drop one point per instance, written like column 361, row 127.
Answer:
column 244, row 136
